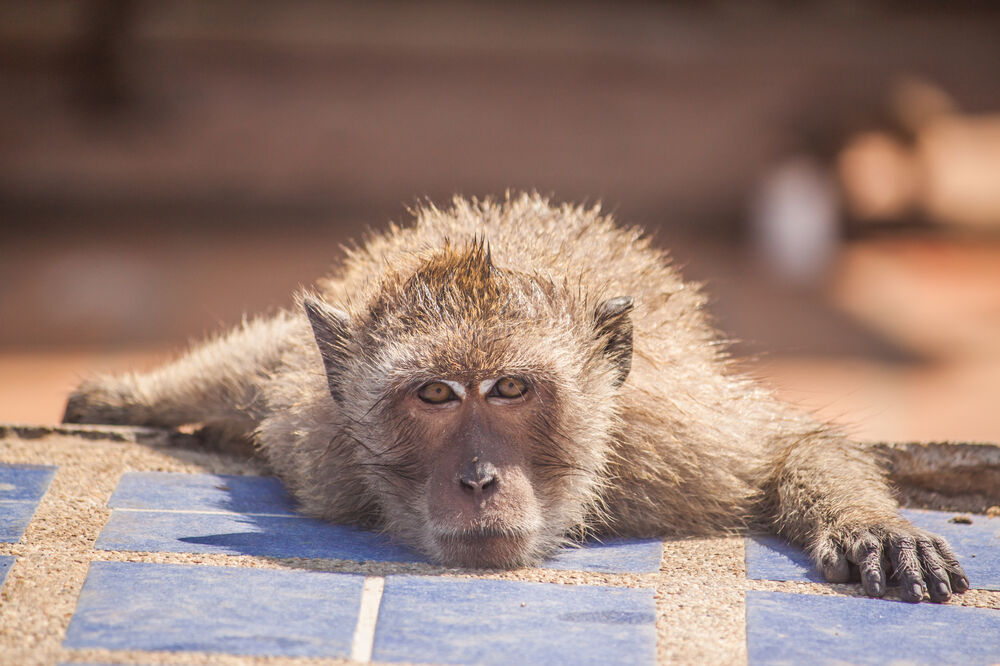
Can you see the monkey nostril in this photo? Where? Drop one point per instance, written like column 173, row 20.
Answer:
column 478, row 476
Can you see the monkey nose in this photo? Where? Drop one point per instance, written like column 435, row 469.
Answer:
column 477, row 476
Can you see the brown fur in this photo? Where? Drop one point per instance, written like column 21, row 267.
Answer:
column 683, row 446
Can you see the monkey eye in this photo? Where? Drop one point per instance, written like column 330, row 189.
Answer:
column 508, row 387
column 436, row 393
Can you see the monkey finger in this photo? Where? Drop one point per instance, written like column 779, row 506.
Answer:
column 956, row 575
column 937, row 576
column 872, row 571
column 906, row 566
column 835, row 567
column 959, row 581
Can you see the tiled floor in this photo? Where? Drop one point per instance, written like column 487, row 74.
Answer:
column 169, row 607
column 158, row 607
column 437, row 620
column 809, row 629
column 234, row 610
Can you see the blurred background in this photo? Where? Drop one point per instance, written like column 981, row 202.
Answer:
column 830, row 170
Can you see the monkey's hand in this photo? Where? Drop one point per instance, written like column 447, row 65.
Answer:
column 917, row 560
column 100, row 400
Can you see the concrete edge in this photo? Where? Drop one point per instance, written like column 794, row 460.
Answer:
column 966, row 471
column 113, row 433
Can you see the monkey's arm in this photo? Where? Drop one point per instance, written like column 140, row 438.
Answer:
column 704, row 462
column 831, row 496
column 217, row 383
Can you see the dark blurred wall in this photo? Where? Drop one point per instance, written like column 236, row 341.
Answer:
column 166, row 166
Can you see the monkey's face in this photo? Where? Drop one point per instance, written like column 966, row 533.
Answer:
column 481, row 405
column 483, row 449
column 478, row 439
column 481, row 459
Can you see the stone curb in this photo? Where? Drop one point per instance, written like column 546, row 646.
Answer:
column 947, row 468
column 113, row 433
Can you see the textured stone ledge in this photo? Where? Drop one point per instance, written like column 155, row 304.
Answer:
column 953, row 468
column 959, row 475
column 132, row 434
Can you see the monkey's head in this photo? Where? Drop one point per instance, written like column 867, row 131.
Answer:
column 479, row 402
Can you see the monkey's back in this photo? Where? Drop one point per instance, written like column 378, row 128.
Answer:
column 570, row 245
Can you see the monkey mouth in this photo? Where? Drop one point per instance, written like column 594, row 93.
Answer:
column 484, row 548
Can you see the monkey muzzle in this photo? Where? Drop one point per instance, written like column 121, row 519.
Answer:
column 483, row 516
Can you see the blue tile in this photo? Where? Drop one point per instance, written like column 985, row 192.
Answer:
column 612, row 556
column 24, row 482
column 14, row 519
column 234, row 534
column 138, row 606
column 6, row 562
column 21, row 489
column 818, row 629
column 771, row 558
column 439, row 620
column 977, row 546
column 202, row 492
column 197, row 523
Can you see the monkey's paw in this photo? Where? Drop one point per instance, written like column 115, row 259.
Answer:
column 100, row 400
column 917, row 560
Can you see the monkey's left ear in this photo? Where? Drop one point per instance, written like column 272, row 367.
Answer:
column 330, row 327
column 613, row 323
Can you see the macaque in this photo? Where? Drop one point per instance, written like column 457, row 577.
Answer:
column 502, row 377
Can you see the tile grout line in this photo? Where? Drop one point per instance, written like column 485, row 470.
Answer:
column 364, row 632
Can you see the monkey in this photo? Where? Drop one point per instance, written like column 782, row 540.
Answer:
column 502, row 377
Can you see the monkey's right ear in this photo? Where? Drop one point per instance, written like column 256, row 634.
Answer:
column 613, row 323
column 330, row 327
